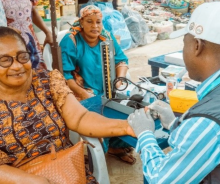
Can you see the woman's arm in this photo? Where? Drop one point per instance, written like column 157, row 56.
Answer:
column 121, row 71
column 77, row 117
column 92, row 124
column 11, row 175
column 121, row 61
column 69, row 58
column 37, row 20
column 77, row 90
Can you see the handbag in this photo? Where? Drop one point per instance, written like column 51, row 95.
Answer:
column 63, row 167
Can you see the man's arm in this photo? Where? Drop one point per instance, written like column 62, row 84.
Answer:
column 195, row 153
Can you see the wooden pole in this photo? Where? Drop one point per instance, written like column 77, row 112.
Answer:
column 55, row 49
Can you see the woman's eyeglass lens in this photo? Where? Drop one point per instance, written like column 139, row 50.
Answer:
column 6, row 61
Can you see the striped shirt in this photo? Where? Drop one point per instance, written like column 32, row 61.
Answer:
column 195, row 147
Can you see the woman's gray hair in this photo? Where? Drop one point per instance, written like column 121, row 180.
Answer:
column 5, row 31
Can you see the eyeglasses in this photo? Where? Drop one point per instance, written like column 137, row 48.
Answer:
column 22, row 57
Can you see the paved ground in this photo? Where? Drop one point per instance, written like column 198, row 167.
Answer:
column 119, row 172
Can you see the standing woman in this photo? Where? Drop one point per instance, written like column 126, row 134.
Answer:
column 82, row 66
column 20, row 15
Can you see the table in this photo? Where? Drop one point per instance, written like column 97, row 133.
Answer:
column 156, row 63
column 94, row 104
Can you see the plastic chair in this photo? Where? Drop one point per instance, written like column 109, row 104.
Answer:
column 47, row 50
column 98, row 158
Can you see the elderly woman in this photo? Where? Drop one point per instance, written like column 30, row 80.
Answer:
column 35, row 105
column 82, row 66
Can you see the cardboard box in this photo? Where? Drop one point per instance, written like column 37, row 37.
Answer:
column 68, row 10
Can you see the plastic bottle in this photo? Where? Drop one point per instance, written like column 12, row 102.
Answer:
column 170, row 84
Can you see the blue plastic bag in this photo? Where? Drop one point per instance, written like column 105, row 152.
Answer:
column 137, row 26
column 114, row 22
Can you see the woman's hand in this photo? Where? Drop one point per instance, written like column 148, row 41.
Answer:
column 130, row 131
column 118, row 84
column 49, row 38
column 86, row 95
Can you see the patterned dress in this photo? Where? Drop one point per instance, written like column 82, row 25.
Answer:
column 23, row 124
column 2, row 16
column 19, row 16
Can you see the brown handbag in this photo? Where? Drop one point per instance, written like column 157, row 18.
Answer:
column 63, row 167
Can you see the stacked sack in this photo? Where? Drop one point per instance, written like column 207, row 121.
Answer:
column 137, row 26
column 193, row 4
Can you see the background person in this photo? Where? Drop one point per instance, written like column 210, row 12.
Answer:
column 81, row 53
column 39, row 105
column 195, row 139
column 21, row 15
column 82, row 66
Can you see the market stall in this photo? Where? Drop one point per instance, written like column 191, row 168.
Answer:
column 152, row 19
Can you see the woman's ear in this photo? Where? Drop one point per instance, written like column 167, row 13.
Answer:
column 81, row 23
column 199, row 46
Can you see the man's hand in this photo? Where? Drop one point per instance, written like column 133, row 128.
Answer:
column 164, row 111
column 141, row 121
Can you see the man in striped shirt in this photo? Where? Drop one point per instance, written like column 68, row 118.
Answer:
column 195, row 142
